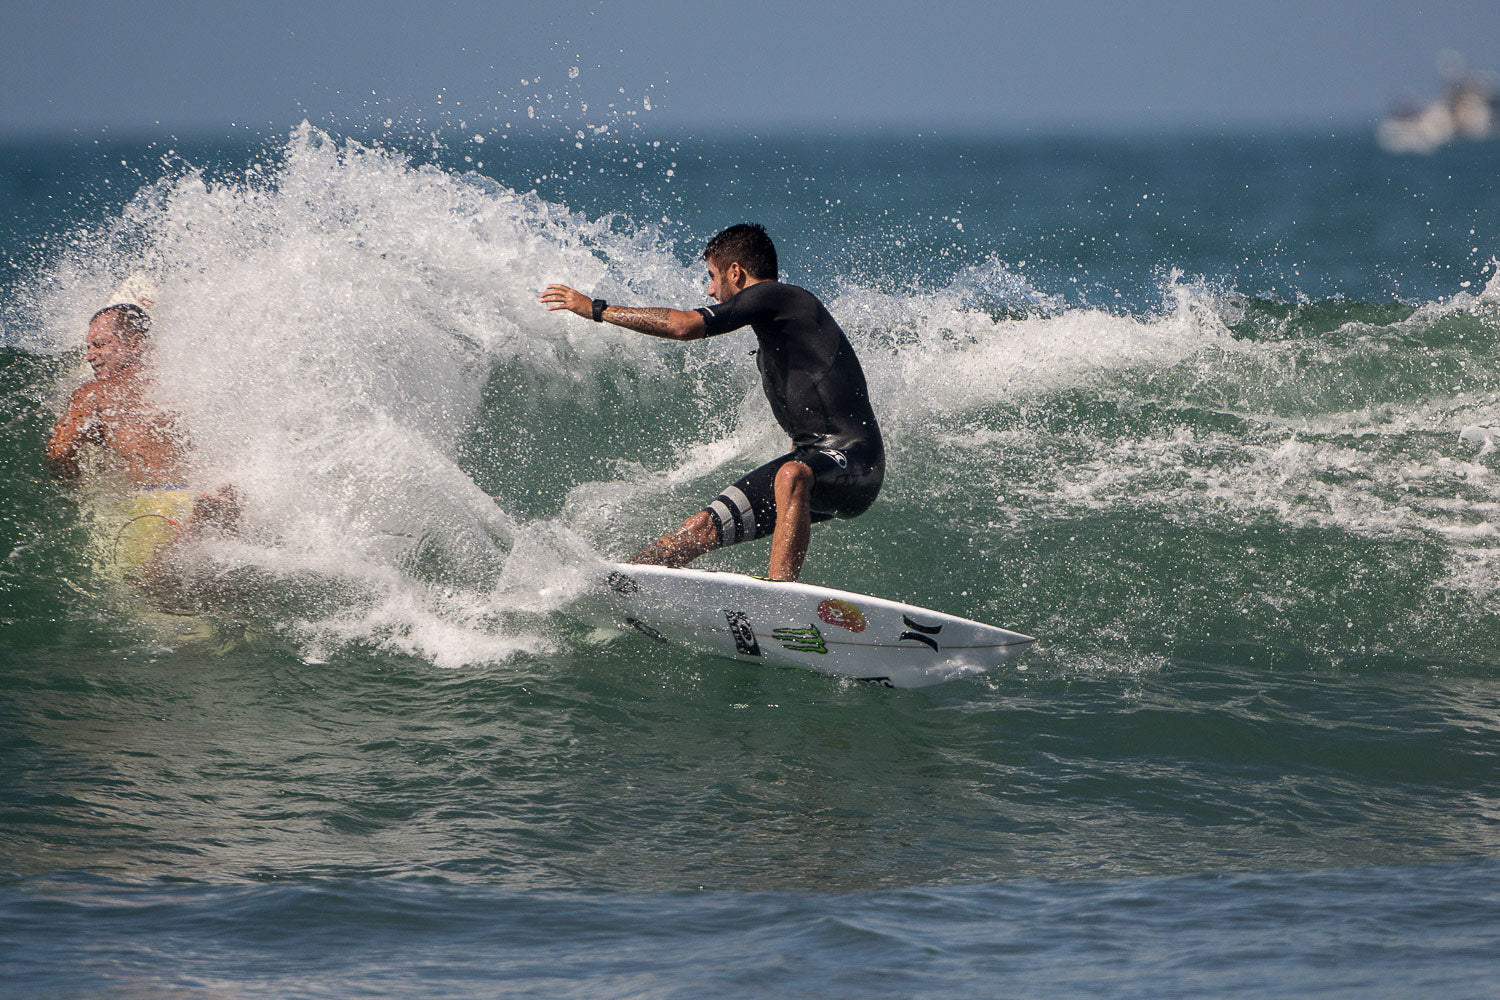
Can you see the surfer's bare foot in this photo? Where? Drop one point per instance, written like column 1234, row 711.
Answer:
column 695, row 537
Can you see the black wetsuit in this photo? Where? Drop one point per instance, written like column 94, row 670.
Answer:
column 817, row 393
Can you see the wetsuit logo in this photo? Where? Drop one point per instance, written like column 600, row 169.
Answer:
column 839, row 458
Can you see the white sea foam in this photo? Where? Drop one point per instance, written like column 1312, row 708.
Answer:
column 962, row 347
column 328, row 326
column 326, row 329
column 1395, row 468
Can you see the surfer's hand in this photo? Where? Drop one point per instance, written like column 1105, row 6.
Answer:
column 82, row 423
column 562, row 297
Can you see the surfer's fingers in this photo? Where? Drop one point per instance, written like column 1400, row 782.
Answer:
column 562, row 297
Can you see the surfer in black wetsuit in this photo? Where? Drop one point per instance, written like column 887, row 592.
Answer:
column 817, row 393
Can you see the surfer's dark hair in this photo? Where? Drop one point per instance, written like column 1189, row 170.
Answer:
column 129, row 318
column 747, row 245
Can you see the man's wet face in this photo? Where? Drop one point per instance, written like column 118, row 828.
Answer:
column 715, row 283
column 108, row 351
column 721, row 285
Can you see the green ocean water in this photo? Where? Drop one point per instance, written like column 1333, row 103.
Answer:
column 1209, row 415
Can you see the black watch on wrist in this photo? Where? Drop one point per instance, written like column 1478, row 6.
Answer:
column 599, row 307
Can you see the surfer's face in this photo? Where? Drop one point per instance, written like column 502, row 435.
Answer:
column 715, row 283
column 108, row 353
column 724, row 285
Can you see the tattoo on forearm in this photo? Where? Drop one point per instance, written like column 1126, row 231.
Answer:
column 657, row 322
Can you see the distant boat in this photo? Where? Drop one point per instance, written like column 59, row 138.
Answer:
column 1469, row 110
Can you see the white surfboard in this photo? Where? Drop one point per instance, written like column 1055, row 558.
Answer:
column 798, row 625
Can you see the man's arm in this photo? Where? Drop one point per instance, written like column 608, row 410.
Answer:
column 673, row 324
column 78, row 425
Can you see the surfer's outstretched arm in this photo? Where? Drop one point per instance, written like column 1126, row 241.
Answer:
column 673, row 324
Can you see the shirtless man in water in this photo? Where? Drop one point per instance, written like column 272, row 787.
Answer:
column 140, row 442
column 817, row 393
column 111, row 410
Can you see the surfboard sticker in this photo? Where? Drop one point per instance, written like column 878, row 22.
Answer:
column 802, row 640
column 645, row 629
column 622, row 584
column 744, row 636
column 925, row 634
column 843, row 614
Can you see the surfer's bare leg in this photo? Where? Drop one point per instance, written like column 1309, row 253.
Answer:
column 794, row 483
column 695, row 537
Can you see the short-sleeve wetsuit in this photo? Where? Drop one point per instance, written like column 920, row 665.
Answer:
column 818, row 395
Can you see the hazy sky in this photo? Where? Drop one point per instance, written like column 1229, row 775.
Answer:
column 176, row 65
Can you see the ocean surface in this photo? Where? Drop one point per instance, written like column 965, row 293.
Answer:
column 1210, row 414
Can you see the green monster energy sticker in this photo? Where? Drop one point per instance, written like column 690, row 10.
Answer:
column 801, row 640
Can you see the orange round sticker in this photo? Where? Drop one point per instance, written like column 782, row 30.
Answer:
column 843, row 614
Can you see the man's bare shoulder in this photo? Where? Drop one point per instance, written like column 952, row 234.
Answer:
column 121, row 385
